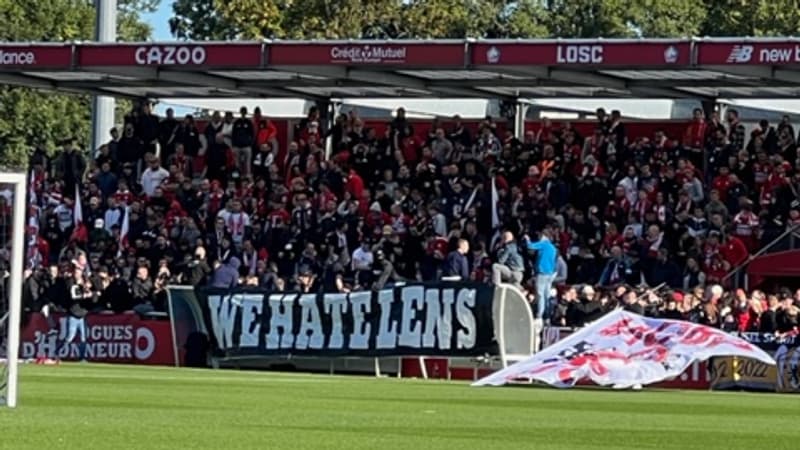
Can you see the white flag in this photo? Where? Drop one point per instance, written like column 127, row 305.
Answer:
column 123, row 231
column 623, row 350
column 495, row 200
column 77, row 209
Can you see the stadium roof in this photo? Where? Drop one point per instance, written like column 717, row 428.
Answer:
column 640, row 68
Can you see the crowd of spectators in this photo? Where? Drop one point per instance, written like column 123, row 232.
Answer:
column 350, row 207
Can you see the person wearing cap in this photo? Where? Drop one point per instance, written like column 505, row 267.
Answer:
column 509, row 266
column 587, row 309
column 546, row 267
column 383, row 270
column 305, row 281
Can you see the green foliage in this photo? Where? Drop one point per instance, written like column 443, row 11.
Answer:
column 340, row 19
column 29, row 117
column 752, row 18
column 201, row 20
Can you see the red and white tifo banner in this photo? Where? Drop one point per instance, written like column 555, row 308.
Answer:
column 696, row 376
column 626, row 350
column 112, row 338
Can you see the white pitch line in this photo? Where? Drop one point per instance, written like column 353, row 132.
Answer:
column 254, row 379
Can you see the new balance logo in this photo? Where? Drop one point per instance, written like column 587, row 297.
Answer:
column 740, row 54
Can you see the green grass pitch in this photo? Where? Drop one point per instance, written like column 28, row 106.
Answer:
column 123, row 407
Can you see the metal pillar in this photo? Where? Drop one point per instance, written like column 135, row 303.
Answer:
column 102, row 106
column 709, row 106
column 520, row 111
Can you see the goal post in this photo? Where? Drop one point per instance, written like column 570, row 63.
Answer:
column 16, row 182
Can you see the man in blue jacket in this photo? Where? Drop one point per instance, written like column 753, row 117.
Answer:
column 546, row 267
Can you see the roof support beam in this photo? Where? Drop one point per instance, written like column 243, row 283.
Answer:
column 27, row 81
column 317, row 71
column 763, row 72
column 263, row 91
column 790, row 76
column 588, row 79
column 386, row 79
column 465, row 92
column 657, row 92
column 140, row 72
column 196, row 79
column 519, row 71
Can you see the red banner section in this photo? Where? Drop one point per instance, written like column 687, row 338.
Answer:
column 178, row 54
column 35, row 56
column 595, row 53
column 766, row 52
column 355, row 53
column 117, row 338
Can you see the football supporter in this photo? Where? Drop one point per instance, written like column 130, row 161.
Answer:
column 624, row 209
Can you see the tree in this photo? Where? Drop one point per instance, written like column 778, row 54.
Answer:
column 667, row 18
column 201, row 20
column 367, row 19
column 30, row 117
column 624, row 18
column 588, row 18
column 751, row 18
column 524, row 19
column 336, row 19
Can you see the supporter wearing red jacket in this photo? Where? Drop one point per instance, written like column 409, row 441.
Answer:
column 722, row 182
column 354, row 184
column 733, row 251
column 530, row 182
column 694, row 137
column 746, row 226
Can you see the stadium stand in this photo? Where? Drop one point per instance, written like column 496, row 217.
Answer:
column 655, row 219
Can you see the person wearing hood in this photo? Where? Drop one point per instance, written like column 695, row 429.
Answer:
column 226, row 275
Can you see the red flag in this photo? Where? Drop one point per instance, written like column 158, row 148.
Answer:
column 123, row 231
column 80, row 233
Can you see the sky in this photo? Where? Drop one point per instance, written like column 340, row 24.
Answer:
column 159, row 20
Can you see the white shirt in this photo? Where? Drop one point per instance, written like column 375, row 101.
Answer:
column 64, row 215
column 236, row 223
column 113, row 216
column 362, row 260
column 631, row 190
column 151, row 179
column 439, row 224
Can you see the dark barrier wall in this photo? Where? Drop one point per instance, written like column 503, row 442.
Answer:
column 453, row 319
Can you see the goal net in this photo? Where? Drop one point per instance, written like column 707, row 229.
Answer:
column 13, row 190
